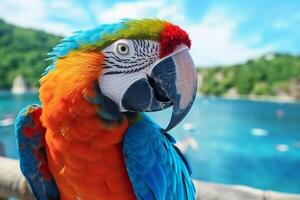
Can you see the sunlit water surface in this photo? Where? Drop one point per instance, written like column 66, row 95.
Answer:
column 228, row 141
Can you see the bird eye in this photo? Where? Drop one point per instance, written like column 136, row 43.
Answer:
column 123, row 49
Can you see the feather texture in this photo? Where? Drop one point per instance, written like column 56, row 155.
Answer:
column 31, row 145
column 103, row 35
column 157, row 170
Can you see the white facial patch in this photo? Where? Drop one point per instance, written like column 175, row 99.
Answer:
column 125, row 62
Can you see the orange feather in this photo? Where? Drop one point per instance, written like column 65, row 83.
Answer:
column 85, row 155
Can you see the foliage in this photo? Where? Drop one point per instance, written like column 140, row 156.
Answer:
column 23, row 52
column 267, row 75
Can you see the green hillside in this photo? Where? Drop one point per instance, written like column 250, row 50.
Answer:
column 22, row 51
column 271, row 75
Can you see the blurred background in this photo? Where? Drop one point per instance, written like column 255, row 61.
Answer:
column 244, row 127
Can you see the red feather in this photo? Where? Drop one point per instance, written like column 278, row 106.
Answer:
column 171, row 37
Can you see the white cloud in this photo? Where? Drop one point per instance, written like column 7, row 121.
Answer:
column 141, row 9
column 213, row 41
column 67, row 9
column 128, row 10
column 23, row 13
column 32, row 14
column 57, row 28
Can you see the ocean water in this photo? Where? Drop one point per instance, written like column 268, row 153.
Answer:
column 227, row 141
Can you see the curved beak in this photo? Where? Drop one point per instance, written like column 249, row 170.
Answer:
column 176, row 75
column 172, row 81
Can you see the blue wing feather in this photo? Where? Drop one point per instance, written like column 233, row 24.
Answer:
column 33, row 160
column 155, row 167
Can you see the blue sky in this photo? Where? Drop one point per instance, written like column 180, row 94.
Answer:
column 222, row 31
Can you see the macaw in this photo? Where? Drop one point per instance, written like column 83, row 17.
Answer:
column 90, row 138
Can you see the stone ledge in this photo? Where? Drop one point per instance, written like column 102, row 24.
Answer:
column 215, row 191
column 13, row 184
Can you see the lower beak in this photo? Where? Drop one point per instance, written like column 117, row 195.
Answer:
column 172, row 81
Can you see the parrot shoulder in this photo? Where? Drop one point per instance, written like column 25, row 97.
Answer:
column 30, row 135
column 156, row 168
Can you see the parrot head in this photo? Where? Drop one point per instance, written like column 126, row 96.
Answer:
column 139, row 65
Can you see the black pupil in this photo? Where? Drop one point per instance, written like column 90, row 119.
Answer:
column 123, row 48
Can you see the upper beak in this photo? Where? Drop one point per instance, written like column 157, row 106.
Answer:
column 176, row 76
column 172, row 81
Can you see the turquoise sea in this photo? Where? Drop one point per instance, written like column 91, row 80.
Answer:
column 228, row 141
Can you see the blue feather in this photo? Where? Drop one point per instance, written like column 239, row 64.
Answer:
column 169, row 137
column 153, row 184
column 28, row 145
column 161, row 178
column 189, row 168
column 167, row 175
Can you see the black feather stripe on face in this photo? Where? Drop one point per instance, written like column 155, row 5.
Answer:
column 145, row 53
